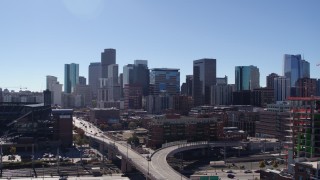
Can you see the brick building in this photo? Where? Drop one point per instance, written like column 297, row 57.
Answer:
column 63, row 126
column 162, row 130
column 244, row 120
column 132, row 96
column 104, row 115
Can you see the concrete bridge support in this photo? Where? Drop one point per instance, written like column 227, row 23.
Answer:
column 125, row 166
column 111, row 153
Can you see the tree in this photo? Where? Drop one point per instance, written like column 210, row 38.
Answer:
column 275, row 164
column 80, row 140
column 13, row 150
column 116, row 126
column 80, row 132
column 262, row 164
column 103, row 126
column 132, row 125
column 133, row 140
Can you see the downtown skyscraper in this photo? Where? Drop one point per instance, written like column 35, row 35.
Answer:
column 71, row 77
column 164, row 81
column 135, row 83
column 247, row 77
column 294, row 68
column 109, row 88
column 281, row 88
column 108, row 57
column 94, row 73
column 204, row 76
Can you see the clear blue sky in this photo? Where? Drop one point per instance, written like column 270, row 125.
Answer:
column 37, row 37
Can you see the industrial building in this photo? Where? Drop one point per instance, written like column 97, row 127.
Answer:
column 26, row 125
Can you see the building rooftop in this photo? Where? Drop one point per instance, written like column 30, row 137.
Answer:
column 165, row 69
column 313, row 164
column 34, row 105
column 312, row 98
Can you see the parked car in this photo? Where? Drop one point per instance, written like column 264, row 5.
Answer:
column 231, row 176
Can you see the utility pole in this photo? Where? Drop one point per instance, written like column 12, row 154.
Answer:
column 1, row 159
column 32, row 158
column 181, row 164
column 127, row 157
column 58, row 161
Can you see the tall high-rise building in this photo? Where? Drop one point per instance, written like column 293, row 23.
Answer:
column 84, row 92
column 51, row 80
column 305, row 136
column 247, row 77
column 108, row 57
column 120, row 82
column 281, row 88
column 94, row 75
column 113, row 74
column 204, row 76
column 137, row 74
column 56, row 90
column 71, row 77
column 270, row 80
column 222, row 80
column 135, row 83
column 165, row 80
column 295, row 67
column 189, row 80
column 132, row 96
column 113, row 86
column 1, row 96
column 186, row 88
column 141, row 75
column 306, row 87
column 128, row 74
column 318, row 87
column 47, row 97
column 82, row 80
column 221, row 94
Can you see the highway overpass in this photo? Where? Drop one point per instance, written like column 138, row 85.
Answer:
column 156, row 167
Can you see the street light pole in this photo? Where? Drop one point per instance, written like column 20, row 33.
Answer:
column 181, row 164
column 1, row 160
column 127, row 157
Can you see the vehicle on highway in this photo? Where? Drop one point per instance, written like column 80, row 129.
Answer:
column 231, row 176
column 248, row 171
column 229, row 171
column 257, row 171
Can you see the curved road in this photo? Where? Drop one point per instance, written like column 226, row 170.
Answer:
column 158, row 167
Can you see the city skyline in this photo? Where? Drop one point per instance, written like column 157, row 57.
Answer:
column 38, row 38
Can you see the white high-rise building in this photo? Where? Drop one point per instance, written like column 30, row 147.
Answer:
column 221, row 94
column 113, row 86
column 56, row 90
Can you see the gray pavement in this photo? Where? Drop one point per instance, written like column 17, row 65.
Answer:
column 114, row 177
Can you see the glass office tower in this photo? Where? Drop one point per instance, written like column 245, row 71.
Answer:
column 295, row 67
column 71, row 77
column 247, row 78
column 165, row 80
column 204, row 76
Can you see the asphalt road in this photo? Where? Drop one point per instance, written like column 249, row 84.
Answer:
column 158, row 167
column 141, row 163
